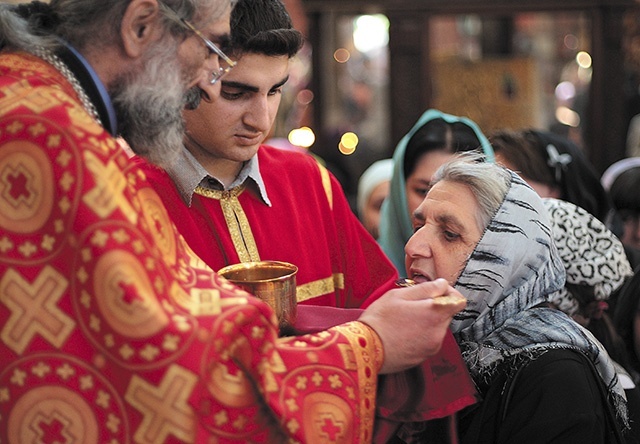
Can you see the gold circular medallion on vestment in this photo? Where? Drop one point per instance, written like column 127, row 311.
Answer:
column 126, row 296
column 58, row 398
column 159, row 223
column 26, row 187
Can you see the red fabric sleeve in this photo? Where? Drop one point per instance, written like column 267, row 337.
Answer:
column 113, row 330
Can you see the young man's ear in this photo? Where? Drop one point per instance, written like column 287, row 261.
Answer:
column 141, row 26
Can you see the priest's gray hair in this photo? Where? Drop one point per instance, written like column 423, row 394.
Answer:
column 82, row 23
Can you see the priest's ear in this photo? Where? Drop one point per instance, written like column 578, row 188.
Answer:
column 141, row 26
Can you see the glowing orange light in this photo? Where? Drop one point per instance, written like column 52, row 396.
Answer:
column 348, row 143
column 342, row 55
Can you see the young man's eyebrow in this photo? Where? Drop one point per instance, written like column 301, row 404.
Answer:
column 240, row 85
column 280, row 83
column 251, row 88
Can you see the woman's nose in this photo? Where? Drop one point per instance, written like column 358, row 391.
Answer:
column 418, row 245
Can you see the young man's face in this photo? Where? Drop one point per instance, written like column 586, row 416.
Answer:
column 231, row 125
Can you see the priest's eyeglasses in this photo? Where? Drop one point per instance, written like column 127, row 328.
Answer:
column 225, row 63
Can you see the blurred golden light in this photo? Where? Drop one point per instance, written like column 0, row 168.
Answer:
column 348, row 143
column 342, row 55
column 371, row 32
column 584, row 74
column 567, row 116
column 583, row 59
column 303, row 137
column 344, row 150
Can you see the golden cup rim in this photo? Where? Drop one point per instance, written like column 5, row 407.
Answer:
column 254, row 264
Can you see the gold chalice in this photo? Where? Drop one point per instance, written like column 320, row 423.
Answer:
column 272, row 281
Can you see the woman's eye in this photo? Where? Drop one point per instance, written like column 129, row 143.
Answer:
column 421, row 191
column 450, row 236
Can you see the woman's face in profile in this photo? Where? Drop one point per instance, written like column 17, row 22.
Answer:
column 418, row 182
column 446, row 232
column 371, row 215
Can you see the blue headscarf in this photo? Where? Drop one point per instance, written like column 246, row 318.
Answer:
column 395, row 223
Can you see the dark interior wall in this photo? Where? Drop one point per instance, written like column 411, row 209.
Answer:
column 410, row 93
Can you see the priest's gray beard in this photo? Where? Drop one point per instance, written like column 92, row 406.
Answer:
column 149, row 103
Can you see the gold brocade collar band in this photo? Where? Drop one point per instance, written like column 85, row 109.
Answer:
column 236, row 220
column 219, row 194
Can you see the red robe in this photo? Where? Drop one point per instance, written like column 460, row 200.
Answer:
column 309, row 224
column 113, row 331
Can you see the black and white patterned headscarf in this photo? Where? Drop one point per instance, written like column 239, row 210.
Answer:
column 592, row 255
column 513, row 271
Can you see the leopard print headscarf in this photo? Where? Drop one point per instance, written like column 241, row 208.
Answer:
column 592, row 255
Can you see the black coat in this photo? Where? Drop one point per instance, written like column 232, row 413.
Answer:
column 556, row 398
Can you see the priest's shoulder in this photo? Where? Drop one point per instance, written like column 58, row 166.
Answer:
column 151, row 172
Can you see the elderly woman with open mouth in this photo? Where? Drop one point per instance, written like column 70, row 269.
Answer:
column 543, row 378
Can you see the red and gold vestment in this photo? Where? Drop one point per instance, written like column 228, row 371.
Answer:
column 309, row 223
column 113, row 331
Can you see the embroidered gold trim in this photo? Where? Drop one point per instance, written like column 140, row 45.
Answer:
column 320, row 287
column 365, row 353
column 326, row 183
column 236, row 219
column 245, row 244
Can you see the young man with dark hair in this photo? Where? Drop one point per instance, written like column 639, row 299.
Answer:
column 237, row 200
